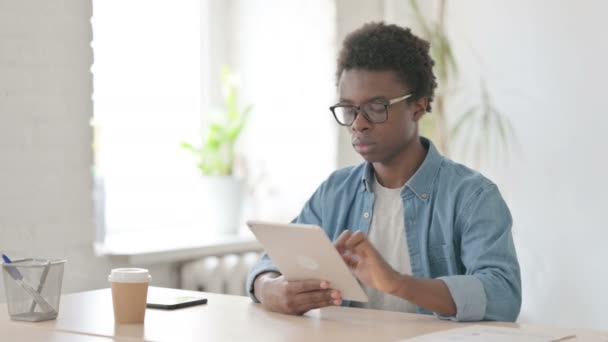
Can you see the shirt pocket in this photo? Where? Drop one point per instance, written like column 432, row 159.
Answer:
column 442, row 261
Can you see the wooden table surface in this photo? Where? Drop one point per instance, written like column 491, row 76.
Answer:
column 236, row 318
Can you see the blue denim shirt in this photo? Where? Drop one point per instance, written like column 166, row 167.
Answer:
column 457, row 225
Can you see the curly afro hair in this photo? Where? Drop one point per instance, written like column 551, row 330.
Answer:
column 378, row 46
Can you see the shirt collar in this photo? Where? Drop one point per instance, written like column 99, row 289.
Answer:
column 421, row 183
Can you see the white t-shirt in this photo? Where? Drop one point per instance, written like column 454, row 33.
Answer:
column 387, row 234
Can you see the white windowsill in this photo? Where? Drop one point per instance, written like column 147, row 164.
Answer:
column 168, row 246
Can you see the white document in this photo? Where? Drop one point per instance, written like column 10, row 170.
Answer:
column 487, row 333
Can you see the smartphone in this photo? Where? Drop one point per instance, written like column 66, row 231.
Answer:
column 174, row 302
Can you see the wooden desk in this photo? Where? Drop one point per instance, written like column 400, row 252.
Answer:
column 234, row 318
column 23, row 333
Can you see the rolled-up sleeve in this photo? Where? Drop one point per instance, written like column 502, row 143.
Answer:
column 469, row 296
column 490, row 289
column 262, row 266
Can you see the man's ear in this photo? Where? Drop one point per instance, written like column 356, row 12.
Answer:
column 420, row 108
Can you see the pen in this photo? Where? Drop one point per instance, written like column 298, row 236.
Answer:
column 16, row 275
column 45, row 272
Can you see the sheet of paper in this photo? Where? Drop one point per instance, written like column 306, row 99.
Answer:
column 474, row 333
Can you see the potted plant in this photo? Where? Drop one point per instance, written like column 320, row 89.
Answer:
column 216, row 156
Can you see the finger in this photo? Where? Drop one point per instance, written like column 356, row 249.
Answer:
column 348, row 257
column 350, row 260
column 305, row 307
column 302, row 302
column 316, row 296
column 356, row 241
column 362, row 249
column 299, row 286
column 313, row 296
column 339, row 243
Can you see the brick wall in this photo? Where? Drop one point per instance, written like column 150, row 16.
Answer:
column 46, row 208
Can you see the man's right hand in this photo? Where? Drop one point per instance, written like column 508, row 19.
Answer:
column 293, row 297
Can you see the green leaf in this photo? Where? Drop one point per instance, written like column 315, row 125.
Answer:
column 464, row 118
column 449, row 59
column 420, row 19
column 189, row 147
column 482, row 128
column 216, row 155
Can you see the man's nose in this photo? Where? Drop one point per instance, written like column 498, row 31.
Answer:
column 361, row 123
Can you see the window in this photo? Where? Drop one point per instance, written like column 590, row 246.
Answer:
column 155, row 78
column 146, row 100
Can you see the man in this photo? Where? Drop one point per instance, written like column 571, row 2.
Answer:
column 420, row 232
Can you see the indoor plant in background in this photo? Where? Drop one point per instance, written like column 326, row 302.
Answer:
column 216, row 158
column 481, row 129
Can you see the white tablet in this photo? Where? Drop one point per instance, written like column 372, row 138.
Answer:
column 303, row 251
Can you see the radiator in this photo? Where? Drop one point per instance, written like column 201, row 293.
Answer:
column 218, row 274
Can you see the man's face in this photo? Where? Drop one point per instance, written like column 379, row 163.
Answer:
column 380, row 143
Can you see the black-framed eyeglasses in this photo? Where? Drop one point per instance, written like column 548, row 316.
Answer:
column 375, row 111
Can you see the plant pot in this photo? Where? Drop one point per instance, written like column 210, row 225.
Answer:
column 223, row 199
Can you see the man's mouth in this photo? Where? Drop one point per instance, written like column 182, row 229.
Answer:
column 362, row 146
column 360, row 141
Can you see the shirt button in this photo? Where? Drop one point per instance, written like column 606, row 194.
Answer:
column 424, row 196
column 366, row 215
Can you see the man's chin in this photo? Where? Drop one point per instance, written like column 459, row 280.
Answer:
column 368, row 157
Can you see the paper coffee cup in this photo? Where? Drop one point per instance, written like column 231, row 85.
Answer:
column 129, row 294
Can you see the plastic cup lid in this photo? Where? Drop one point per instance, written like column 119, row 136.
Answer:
column 129, row 275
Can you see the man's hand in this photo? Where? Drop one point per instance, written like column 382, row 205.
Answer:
column 366, row 262
column 371, row 268
column 293, row 297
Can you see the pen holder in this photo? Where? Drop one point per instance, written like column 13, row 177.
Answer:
column 33, row 288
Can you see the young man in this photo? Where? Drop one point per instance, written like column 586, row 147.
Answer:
column 421, row 232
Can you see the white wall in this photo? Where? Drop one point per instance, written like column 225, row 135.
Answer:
column 45, row 139
column 547, row 60
column 350, row 15
column 547, row 64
